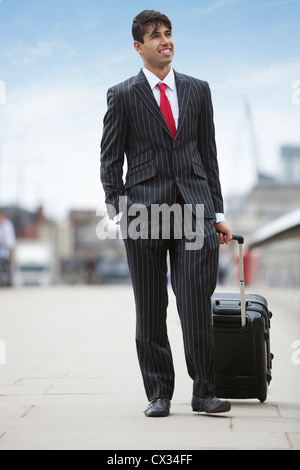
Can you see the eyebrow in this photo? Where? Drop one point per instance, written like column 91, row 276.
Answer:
column 155, row 31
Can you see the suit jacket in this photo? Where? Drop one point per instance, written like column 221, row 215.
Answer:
column 157, row 165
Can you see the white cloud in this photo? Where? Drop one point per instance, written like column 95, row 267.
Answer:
column 40, row 50
column 201, row 11
column 222, row 4
column 265, row 77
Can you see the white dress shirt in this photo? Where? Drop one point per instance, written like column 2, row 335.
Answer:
column 171, row 91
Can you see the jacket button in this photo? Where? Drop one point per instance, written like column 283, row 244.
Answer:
column 177, row 178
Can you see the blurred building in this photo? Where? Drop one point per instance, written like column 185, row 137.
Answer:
column 36, row 235
column 267, row 200
column 274, row 252
column 77, row 246
column 271, row 204
column 30, row 224
column 80, row 256
column 290, row 164
column 90, row 259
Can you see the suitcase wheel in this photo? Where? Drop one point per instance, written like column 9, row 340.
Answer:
column 263, row 398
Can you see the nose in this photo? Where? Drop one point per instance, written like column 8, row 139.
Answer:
column 166, row 41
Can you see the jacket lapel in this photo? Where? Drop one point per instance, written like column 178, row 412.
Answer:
column 143, row 89
column 183, row 95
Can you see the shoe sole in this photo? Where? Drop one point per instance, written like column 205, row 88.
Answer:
column 157, row 415
column 223, row 408
column 220, row 409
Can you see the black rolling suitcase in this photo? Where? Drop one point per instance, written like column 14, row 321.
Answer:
column 241, row 325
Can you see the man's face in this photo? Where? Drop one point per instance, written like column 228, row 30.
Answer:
column 158, row 48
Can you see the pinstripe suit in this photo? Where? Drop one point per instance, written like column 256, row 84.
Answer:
column 158, row 169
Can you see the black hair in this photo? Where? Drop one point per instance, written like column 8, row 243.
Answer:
column 144, row 19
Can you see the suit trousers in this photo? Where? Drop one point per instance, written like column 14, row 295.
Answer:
column 193, row 278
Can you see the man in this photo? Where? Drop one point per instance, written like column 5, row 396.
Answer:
column 7, row 245
column 166, row 166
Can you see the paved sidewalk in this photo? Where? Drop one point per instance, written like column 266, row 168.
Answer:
column 71, row 379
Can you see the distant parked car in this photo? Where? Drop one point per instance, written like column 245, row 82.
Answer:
column 112, row 270
column 34, row 264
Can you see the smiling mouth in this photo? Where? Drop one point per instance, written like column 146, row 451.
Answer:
column 166, row 51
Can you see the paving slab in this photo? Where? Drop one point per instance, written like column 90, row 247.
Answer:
column 72, row 382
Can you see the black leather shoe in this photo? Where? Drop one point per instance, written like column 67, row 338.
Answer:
column 210, row 405
column 158, row 408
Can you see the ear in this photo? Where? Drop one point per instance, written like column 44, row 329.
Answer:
column 138, row 47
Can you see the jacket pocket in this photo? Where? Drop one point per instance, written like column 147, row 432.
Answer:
column 141, row 173
column 199, row 171
column 138, row 160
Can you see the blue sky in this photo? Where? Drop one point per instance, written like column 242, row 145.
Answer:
column 58, row 57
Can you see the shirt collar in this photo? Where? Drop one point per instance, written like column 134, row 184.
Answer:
column 153, row 80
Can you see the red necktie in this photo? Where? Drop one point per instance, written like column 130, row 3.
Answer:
column 166, row 109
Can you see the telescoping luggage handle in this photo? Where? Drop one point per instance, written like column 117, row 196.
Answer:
column 240, row 240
